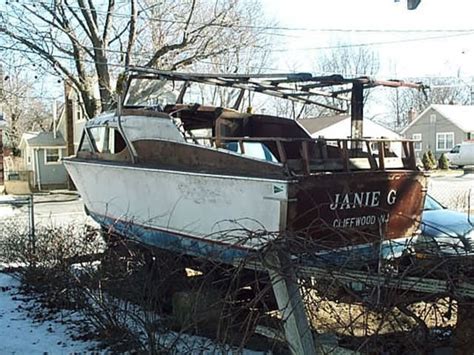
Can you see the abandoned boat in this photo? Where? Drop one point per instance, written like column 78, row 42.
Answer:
column 218, row 183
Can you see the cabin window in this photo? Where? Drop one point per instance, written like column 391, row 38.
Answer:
column 107, row 140
column 85, row 145
column 253, row 149
column 432, row 118
column 52, row 155
column 98, row 137
column 417, row 137
column 116, row 142
column 151, row 93
column 444, row 141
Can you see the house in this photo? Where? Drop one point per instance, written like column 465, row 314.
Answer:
column 42, row 151
column 440, row 127
column 339, row 126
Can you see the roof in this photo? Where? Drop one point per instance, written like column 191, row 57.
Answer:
column 460, row 115
column 339, row 126
column 43, row 139
column 318, row 123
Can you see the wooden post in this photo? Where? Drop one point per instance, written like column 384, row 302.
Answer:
column 357, row 110
column 290, row 303
column 464, row 333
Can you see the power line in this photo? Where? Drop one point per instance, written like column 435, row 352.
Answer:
column 271, row 27
column 376, row 43
column 276, row 50
column 118, row 65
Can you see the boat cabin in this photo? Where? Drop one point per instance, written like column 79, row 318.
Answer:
column 153, row 126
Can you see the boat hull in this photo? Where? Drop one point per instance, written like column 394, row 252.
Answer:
column 214, row 207
column 225, row 218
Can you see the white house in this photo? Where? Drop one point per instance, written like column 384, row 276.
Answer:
column 42, row 151
column 339, row 126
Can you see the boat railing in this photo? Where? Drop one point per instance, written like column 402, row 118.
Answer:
column 309, row 155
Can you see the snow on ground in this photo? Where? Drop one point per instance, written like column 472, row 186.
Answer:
column 21, row 335
column 6, row 210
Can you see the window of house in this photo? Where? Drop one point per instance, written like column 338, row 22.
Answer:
column 444, row 141
column 28, row 156
column 52, row 155
column 432, row 118
column 418, row 144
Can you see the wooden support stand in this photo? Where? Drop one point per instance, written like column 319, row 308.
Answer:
column 290, row 303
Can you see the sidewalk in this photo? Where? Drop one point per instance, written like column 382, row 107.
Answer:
column 42, row 197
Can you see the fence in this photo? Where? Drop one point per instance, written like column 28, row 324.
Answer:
column 454, row 194
column 25, row 201
column 19, row 182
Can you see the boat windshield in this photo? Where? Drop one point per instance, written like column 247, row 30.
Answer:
column 151, row 92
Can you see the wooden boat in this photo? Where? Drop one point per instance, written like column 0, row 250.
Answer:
column 218, row 183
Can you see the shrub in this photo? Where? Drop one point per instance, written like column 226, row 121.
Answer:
column 443, row 162
column 427, row 162
column 432, row 159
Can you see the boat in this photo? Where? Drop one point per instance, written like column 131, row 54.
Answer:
column 222, row 183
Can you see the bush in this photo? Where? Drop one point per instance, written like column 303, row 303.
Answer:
column 432, row 159
column 428, row 163
column 443, row 162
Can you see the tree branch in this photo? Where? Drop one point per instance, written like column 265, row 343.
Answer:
column 94, row 32
column 168, row 48
column 132, row 33
column 44, row 54
column 110, row 10
column 79, row 20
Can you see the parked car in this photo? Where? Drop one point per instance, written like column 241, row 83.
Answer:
column 444, row 232
column 462, row 154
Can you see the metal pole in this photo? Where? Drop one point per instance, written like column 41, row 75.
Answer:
column 32, row 225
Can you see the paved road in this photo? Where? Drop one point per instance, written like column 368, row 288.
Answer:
column 57, row 209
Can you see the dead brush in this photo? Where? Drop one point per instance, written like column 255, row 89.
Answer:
column 137, row 299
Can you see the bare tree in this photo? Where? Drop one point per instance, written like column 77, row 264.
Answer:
column 25, row 110
column 445, row 91
column 90, row 43
column 349, row 61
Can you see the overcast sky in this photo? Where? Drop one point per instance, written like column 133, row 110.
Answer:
column 436, row 39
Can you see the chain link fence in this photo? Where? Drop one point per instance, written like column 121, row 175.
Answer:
column 455, row 193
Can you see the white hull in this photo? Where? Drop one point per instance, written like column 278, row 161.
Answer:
column 212, row 207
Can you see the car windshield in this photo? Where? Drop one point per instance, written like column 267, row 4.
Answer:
column 432, row 204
